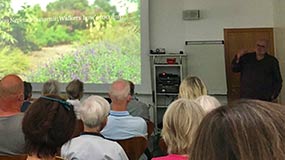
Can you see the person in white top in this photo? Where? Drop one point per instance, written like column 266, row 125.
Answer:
column 74, row 92
column 91, row 144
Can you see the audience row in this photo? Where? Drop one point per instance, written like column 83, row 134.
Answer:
column 195, row 126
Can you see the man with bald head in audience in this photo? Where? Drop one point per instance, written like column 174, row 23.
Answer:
column 120, row 124
column 11, row 99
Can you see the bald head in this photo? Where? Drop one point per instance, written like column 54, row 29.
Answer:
column 11, row 93
column 120, row 90
column 11, row 85
column 262, row 46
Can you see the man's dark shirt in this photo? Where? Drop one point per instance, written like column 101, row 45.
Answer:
column 258, row 79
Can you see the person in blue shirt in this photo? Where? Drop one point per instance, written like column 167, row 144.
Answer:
column 120, row 124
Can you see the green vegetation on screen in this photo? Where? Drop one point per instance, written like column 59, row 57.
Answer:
column 103, row 45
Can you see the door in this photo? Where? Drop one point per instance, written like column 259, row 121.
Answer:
column 242, row 38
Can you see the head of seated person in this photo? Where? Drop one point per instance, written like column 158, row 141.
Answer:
column 74, row 89
column 180, row 122
column 51, row 87
column 243, row 130
column 27, row 91
column 27, row 96
column 121, row 125
column 94, row 113
column 137, row 107
column 191, row 88
column 120, row 94
column 11, row 94
column 208, row 103
column 47, row 125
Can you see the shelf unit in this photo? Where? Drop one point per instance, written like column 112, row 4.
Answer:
column 173, row 65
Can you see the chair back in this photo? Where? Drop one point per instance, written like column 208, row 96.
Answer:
column 134, row 147
column 150, row 128
column 16, row 157
column 162, row 146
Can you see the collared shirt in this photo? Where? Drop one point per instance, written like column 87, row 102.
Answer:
column 121, row 125
column 89, row 146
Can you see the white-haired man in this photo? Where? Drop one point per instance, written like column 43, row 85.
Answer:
column 121, row 125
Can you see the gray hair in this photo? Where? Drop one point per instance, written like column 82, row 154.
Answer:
column 94, row 110
column 51, row 87
column 119, row 90
column 208, row 103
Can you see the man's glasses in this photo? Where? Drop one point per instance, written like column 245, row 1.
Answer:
column 65, row 104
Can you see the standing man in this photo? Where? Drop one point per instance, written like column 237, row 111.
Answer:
column 11, row 99
column 260, row 76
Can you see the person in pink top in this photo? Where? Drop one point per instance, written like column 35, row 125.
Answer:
column 180, row 122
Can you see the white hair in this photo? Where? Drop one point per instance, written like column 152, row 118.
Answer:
column 208, row 103
column 119, row 90
column 94, row 110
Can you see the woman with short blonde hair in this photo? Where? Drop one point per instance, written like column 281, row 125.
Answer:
column 191, row 88
column 180, row 122
column 208, row 103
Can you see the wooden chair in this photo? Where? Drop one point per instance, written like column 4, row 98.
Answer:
column 162, row 146
column 134, row 147
column 150, row 128
column 16, row 157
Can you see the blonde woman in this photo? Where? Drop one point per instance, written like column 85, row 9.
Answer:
column 208, row 103
column 191, row 88
column 180, row 122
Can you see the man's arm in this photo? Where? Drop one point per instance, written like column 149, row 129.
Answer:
column 277, row 79
column 236, row 65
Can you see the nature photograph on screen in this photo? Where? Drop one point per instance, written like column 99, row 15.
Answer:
column 96, row 41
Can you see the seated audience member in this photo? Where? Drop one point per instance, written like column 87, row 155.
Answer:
column 74, row 91
column 208, row 103
column 180, row 122
column 90, row 144
column 120, row 124
column 51, row 87
column 27, row 96
column 136, row 107
column 191, row 88
column 11, row 98
column 47, row 125
column 244, row 130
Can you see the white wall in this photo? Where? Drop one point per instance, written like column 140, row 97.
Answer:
column 279, row 23
column 169, row 30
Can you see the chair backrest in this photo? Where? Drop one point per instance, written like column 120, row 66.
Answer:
column 16, row 157
column 134, row 147
column 150, row 128
column 162, row 146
